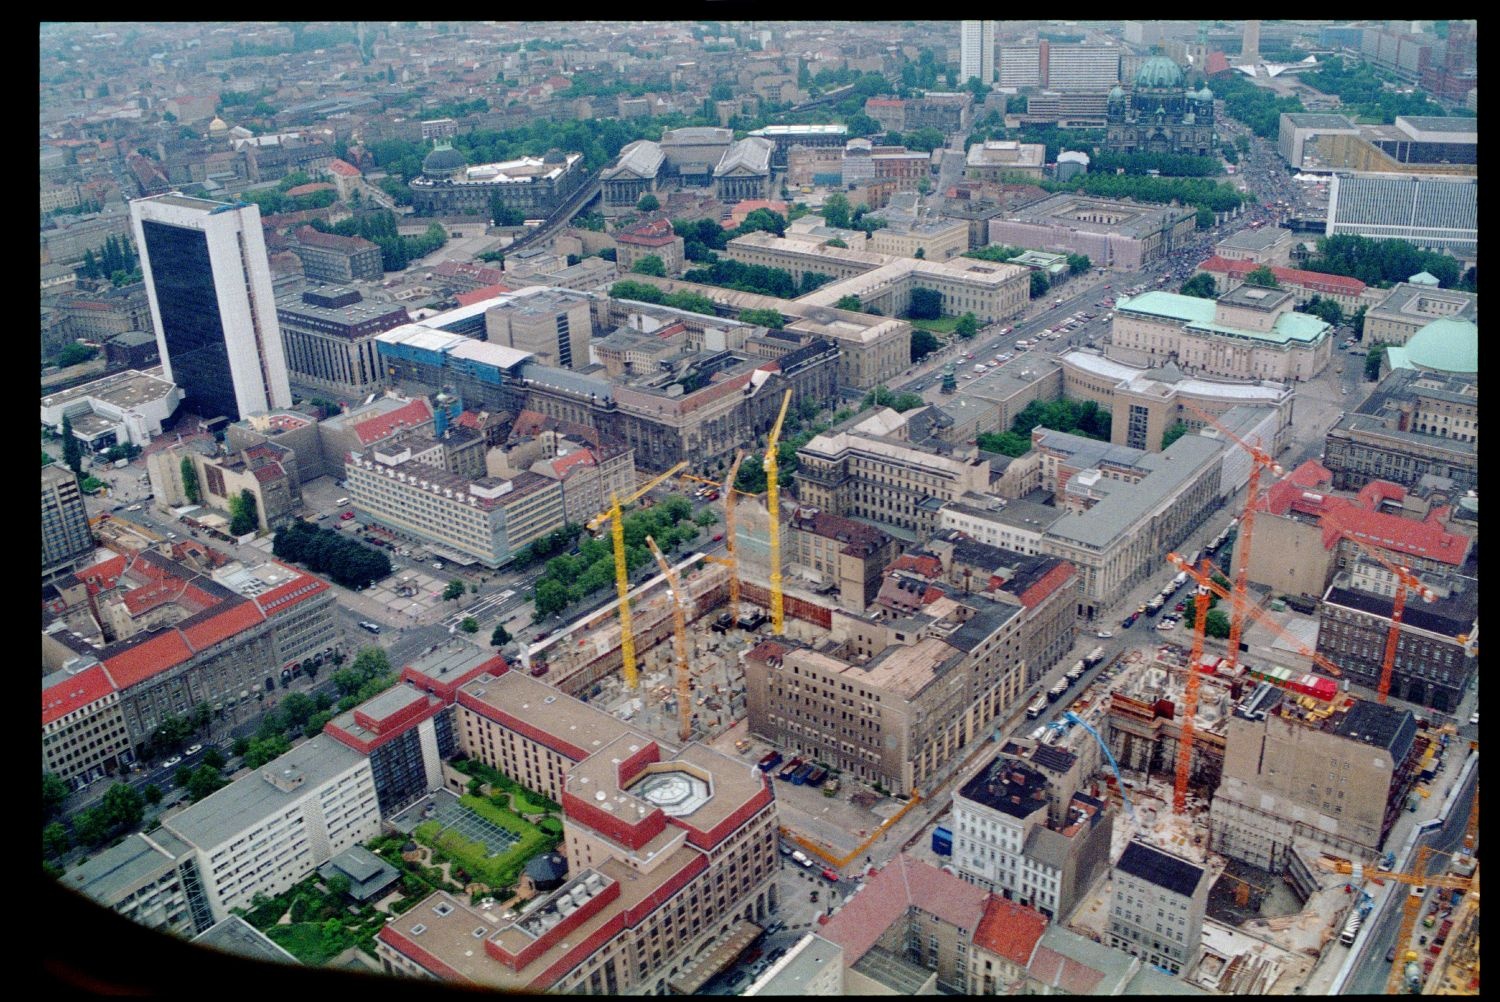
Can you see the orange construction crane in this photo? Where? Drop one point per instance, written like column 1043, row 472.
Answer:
column 1405, row 580
column 1416, row 878
column 1260, row 459
column 1254, row 612
column 1190, row 695
column 679, row 630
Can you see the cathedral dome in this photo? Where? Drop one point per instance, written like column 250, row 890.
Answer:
column 1158, row 71
column 443, row 161
column 1117, row 93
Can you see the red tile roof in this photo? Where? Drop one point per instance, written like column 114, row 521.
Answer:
column 343, row 169
column 904, row 883
column 308, row 189
column 164, row 649
column 1317, row 281
column 480, row 295
column 223, row 624
column 651, row 233
column 925, row 565
column 290, row 594
column 1304, row 492
column 75, row 692
column 1058, row 970
column 309, row 237
column 562, row 465
column 374, row 429
column 884, row 102
column 1010, row 930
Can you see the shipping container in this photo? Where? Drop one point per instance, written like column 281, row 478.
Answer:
column 942, row 841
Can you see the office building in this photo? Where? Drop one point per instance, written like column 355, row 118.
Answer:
column 552, row 324
column 1337, row 775
column 1409, row 307
column 1435, row 212
column 1415, row 424
column 838, row 556
column 1296, row 131
column 209, row 283
column 1123, row 236
column 1433, row 666
column 1021, row 66
column 976, row 51
column 1270, row 246
column 329, row 337
column 407, row 735
column 1157, row 906
column 1082, row 69
column 1067, row 111
column 124, row 408
column 151, row 878
column 485, row 375
column 669, row 858
column 84, row 737
column 1250, row 333
column 66, row 537
column 266, row 831
column 1022, row 828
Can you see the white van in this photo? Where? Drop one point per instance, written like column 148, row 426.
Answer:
column 341, row 502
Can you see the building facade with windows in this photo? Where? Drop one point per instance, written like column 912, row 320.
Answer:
column 329, row 334
column 66, row 536
column 1114, row 234
column 976, row 51
column 1160, row 113
column 151, row 878
column 84, row 737
column 208, row 279
column 1415, row 424
column 1157, row 907
column 1408, row 307
column 328, row 257
column 1436, row 212
column 266, row 831
column 555, row 325
column 535, row 186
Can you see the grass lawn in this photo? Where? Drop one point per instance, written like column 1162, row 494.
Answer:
column 303, row 940
column 500, row 870
column 942, row 325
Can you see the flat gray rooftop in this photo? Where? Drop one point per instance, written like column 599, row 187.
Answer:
column 219, row 816
column 235, row 935
column 116, row 872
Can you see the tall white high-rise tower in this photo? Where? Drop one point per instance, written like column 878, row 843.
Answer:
column 976, row 50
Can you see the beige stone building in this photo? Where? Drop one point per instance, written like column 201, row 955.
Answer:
column 555, row 325
column 937, row 239
column 1339, row 779
column 1270, row 246
column 1250, row 333
column 669, row 858
column 846, row 558
column 1408, row 308
column 873, row 472
column 999, row 159
column 649, row 238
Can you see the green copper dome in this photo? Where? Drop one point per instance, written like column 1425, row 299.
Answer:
column 443, row 161
column 1117, row 93
column 1445, row 345
column 1158, row 71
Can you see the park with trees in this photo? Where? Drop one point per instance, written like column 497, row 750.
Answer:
column 325, row 551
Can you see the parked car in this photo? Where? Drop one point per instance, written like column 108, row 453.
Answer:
column 1104, row 634
column 346, row 516
column 193, row 750
column 172, row 762
column 830, row 875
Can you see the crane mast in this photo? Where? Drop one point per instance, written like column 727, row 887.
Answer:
column 774, row 507
column 679, row 631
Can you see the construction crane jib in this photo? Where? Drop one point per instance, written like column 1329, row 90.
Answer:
column 679, row 631
column 622, row 573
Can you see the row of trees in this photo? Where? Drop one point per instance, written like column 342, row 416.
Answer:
column 75, row 353
column 324, row 551
column 694, row 302
column 121, row 809
column 379, row 227
column 1166, row 164
column 757, row 278
column 1258, row 107
column 569, row 579
column 1385, row 262
column 1215, row 196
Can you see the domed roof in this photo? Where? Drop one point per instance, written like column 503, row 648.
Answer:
column 1158, row 71
column 1446, row 345
column 1116, row 93
column 218, row 125
column 1205, row 94
column 443, row 160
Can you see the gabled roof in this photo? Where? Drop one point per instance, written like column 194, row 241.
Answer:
column 1010, row 930
column 481, row 294
column 904, row 883
column 74, row 692
column 376, row 428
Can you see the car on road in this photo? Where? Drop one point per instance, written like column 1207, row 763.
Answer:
column 365, row 624
column 346, row 516
column 193, row 750
column 1130, row 620
column 718, row 536
column 830, row 875
column 1104, row 634
column 172, row 762
column 134, row 507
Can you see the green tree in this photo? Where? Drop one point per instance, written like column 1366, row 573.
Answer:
column 1372, row 361
column 1263, row 276
column 923, row 343
column 705, row 517
column 1200, row 285
column 921, row 253
column 123, row 805
column 1039, row 284
column 74, row 353
column 190, row 481
column 205, row 780
column 763, row 318
column 91, row 826
column 1079, row 264
column 152, row 793
column 243, row 519
column 72, row 447
column 54, row 791
column 454, row 590
column 298, row 707
column 1205, row 218
column 648, row 203
column 651, row 264
column 836, row 210
column 1007, row 443
column 263, row 750
column 752, row 476
column 835, row 242
column 1324, row 309
column 926, row 304
column 1216, row 624
column 47, row 460
column 500, row 636
column 55, row 840
column 1357, row 323
column 1172, row 434
column 850, row 302
column 551, row 597
column 469, row 625
column 967, row 326
column 214, row 757
column 762, row 219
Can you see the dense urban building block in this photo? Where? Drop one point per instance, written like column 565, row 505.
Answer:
column 66, row 537
column 1415, row 424
column 329, row 337
column 1161, row 114
column 533, row 185
column 1157, row 908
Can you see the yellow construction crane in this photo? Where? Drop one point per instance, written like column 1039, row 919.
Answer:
column 773, row 504
column 729, row 542
column 679, row 629
column 622, row 575
column 1410, row 912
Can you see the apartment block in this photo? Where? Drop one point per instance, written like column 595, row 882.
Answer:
column 668, row 857
column 327, row 257
column 1339, row 778
column 84, row 737
column 843, row 557
column 555, row 325
column 1023, row 828
column 1157, row 907
column 264, row 832
column 151, row 878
